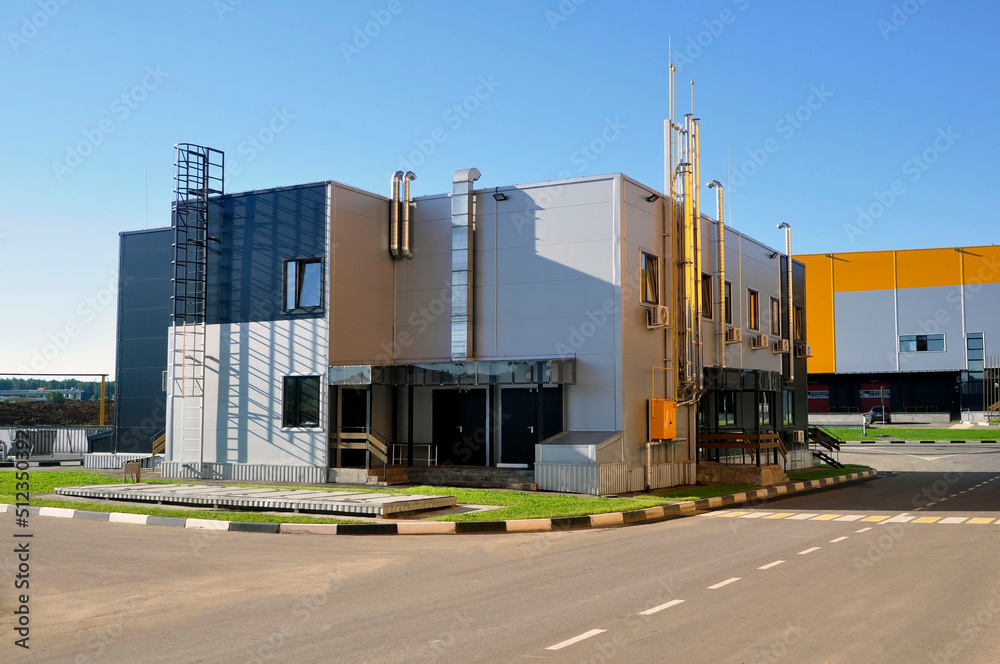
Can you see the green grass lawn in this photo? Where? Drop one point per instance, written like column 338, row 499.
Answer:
column 826, row 471
column 876, row 434
column 42, row 482
column 699, row 492
column 511, row 504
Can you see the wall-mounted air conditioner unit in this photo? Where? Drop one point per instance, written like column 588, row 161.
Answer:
column 658, row 316
column 798, row 436
column 779, row 346
column 734, row 335
column 758, row 341
column 803, row 351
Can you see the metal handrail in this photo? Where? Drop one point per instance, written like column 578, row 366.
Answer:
column 375, row 445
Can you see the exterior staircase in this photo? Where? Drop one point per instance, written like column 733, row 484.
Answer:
column 826, row 441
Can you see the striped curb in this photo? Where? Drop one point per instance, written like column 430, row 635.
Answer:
column 609, row 520
column 918, row 442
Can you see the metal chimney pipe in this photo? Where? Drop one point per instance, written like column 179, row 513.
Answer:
column 405, row 248
column 394, row 217
column 791, row 307
column 721, row 247
column 696, row 191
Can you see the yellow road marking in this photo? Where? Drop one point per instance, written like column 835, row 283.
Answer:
column 927, row 519
column 779, row 515
column 826, row 517
column 729, row 514
column 876, row 519
column 980, row 520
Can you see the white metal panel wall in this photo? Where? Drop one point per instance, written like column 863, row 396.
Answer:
column 935, row 310
column 547, row 284
column 858, row 315
column 982, row 314
column 642, row 231
column 243, row 398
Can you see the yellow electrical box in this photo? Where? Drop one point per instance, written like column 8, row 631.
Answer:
column 662, row 419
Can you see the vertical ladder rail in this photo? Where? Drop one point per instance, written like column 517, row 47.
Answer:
column 198, row 174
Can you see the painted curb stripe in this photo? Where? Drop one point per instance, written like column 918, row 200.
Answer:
column 124, row 517
column 207, row 524
column 253, row 527
column 463, row 527
column 62, row 512
column 173, row 521
column 92, row 516
column 565, row 523
column 473, row 527
column 367, row 529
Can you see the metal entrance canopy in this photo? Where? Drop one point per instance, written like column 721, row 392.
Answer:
column 554, row 371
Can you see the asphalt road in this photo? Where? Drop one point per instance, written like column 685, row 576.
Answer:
column 845, row 575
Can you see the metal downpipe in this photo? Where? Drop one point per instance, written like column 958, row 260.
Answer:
column 394, row 217
column 721, row 247
column 405, row 248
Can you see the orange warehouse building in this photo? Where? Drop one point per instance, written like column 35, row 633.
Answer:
column 910, row 329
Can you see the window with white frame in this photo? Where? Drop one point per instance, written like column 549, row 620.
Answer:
column 303, row 284
column 300, row 401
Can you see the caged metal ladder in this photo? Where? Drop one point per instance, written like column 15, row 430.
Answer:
column 198, row 174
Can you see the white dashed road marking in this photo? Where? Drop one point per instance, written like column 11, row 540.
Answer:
column 724, row 583
column 770, row 565
column 576, row 639
column 809, row 550
column 656, row 609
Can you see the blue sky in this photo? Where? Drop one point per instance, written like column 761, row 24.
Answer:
column 864, row 124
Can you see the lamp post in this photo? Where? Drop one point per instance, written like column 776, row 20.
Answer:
column 791, row 308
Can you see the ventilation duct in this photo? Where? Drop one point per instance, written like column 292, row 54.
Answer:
column 407, row 204
column 394, row 217
column 462, row 254
column 399, row 220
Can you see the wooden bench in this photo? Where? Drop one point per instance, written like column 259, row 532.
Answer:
column 133, row 468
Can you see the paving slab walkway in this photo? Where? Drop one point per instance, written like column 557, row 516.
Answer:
column 296, row 500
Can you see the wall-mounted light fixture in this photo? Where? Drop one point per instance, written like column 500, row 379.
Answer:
column 774, row 254
column 652, row 198
column 499, row 195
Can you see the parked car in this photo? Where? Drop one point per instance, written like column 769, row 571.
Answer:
column 878, row 414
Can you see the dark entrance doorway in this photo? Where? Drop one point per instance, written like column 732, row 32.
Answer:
column 353, row 419
column 521, row 426
column 460, row 431
column 354, row 408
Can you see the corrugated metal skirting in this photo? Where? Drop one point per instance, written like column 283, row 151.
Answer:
column 598, row 480
column 672, row 474
column 245, row 471
column 53, row 440
column 107, row 460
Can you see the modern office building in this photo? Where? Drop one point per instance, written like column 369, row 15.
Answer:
column 910, row 329
column 530, row 327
